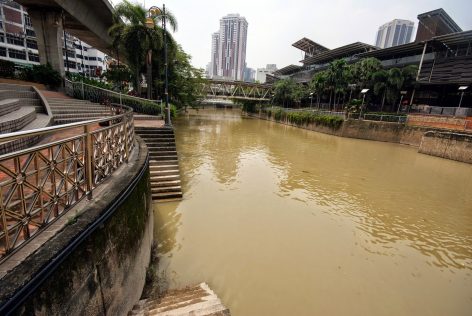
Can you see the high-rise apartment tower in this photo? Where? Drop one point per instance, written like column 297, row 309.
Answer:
column 228, row 50
column 393, row 33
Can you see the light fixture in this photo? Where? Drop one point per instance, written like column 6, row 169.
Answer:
column 364, row 91
column 462, row 88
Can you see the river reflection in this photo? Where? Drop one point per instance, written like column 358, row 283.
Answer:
column 284, row 221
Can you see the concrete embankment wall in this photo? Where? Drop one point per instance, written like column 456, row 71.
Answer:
column 447, row 145
column 369, row 130
column 103, row 253
column 450, row 147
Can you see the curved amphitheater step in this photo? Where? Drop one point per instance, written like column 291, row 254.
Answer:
column 67, row 110
column 21, row 109
column 163, row 162
column 199, row 300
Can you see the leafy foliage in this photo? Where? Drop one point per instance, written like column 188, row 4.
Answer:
column 42, row 74
column 305, row 118
column 7, row 69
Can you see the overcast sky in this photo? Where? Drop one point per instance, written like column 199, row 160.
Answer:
column 274, row 24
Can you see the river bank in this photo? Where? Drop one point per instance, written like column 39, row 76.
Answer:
column 460, row 149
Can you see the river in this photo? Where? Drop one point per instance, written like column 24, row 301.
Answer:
column 284, row 221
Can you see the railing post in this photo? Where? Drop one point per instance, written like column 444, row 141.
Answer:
column 121, row 102
column 88, row 160
column 125, row 129
column 83, row 91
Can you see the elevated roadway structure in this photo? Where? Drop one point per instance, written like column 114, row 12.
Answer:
column 88, row 20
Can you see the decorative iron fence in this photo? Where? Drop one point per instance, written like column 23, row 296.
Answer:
column 83, row 91
column 39, row 184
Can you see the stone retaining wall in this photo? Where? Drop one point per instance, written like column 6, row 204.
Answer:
column 447, row 145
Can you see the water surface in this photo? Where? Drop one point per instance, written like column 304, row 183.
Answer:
column 284, row 221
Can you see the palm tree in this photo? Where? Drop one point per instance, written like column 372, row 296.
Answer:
column 318, row 85
column 380, row 79
column 135, row 39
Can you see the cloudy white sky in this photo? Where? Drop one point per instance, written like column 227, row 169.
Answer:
column 274, row 24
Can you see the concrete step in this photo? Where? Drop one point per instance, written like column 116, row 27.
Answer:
column 161, row 148
column 157, row 152
column 16, row 120
column 157, row 167
column 176, row 188
column 196, row 301
column 154, row 143
column 16, row 94
column 156, row 177
column 165, row 184
column 42, row 120
column 79, row 111
column 164, row 158
column 166, row 196
column 153, row 138
column 18, row 87
column 172, row 162
column 80, row 115
column 9, row 105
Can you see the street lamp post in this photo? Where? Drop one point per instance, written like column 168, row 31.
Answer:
column 364, row 92
column 154, row 12
column 401, row 99
column 311, row 100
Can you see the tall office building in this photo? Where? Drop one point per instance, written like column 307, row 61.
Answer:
column 228, row 54
column 393, row 33
column 18, row 43
column 262, row 72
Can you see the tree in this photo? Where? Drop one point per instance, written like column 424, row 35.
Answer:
column 185, row 81
column 286, row 91
column 134, row 38
column 318, row 85
column 364, row 70
column 381, row 84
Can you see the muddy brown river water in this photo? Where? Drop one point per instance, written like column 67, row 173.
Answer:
column 284, row 221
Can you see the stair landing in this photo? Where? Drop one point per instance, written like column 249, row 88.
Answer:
column 198, row 300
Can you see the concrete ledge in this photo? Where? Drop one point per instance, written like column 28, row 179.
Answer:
column 95, row 263
column 447, row 145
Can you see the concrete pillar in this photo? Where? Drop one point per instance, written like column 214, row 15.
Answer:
column 47, row 24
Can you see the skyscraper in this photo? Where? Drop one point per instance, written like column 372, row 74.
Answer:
column 228, row 53
column 393, row 33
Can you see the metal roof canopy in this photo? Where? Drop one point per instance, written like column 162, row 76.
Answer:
column 309, row 46
column 408, row 49
column 287, row 70
column 343, row 51
column 443, row 15
column 454, row 38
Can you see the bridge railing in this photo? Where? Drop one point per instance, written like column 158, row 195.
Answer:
column 39, row 184
column 80, row 90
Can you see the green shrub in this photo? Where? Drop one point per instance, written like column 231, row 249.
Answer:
column 7, row 69
column 302, row 118
column 42, row 74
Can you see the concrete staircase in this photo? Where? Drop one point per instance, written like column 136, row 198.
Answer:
column 199, row 300
column 66, row 110
column 163, row 162
column 21, row 109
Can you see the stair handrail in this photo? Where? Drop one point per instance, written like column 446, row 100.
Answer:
column 90, row 92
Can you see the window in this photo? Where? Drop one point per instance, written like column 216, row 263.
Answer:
column 86, row 58
column 15, row 40
column 2, row 38
column 78, row 56
column 18, row 54
column 71, row 64
column 33, row 57
column 92, row 58
column 30, row 33
column 3, row 51
column 28, row 20
column 31, row 44
column 99, row 59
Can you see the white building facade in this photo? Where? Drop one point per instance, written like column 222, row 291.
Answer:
column 18, row 43
column 393, row 33
column 228, row 56
column 262, row 72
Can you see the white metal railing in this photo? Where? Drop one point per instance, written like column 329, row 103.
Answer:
column 81, row 90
